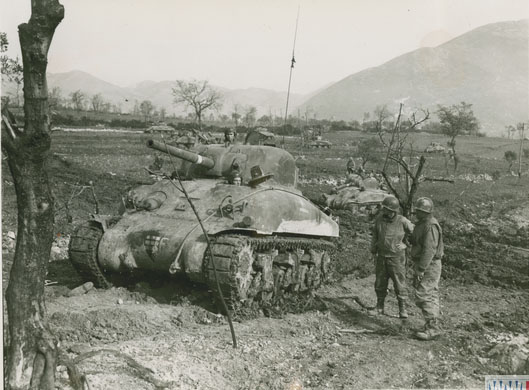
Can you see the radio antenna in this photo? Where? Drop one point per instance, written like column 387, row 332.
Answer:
column 292, row 62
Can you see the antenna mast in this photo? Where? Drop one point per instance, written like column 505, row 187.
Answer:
column 293, row 61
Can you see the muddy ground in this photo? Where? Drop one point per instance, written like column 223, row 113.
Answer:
column 172, row 328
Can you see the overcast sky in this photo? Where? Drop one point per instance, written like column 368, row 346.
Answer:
column 248, row 43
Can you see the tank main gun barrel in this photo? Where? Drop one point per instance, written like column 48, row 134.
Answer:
column 183, row 154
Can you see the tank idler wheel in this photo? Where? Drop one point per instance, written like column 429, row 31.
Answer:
column 83, row 253
column 83, row 247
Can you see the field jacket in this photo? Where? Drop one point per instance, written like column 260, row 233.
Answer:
column 427, row 243
column 387, row 235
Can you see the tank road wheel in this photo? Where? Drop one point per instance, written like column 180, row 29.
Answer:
column 256, row 273
column 83, row 253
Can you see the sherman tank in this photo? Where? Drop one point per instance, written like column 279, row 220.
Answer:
column 267, row 240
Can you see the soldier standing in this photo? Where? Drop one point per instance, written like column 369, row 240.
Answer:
column 351, row 166
column 426, row 252
column 387, row 244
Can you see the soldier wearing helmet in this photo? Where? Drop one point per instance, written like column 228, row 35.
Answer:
column 426, row 252
column 388, row 247
column 229, row 136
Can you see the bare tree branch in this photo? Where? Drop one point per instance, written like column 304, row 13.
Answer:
column 198, row 95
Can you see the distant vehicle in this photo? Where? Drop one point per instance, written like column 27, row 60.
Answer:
column 312, row 138
column 160, row 128
column 355, row 194
column 260, row 136
column 434, row 147
column 318, row 142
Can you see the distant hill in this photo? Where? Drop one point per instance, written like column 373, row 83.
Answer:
column 90, row 85
column 488, row 67
column 160, row 93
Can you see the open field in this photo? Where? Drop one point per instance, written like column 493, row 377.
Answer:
column 173, row 328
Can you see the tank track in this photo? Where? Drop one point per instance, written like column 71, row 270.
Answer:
column 259, row 273
column 83, row 253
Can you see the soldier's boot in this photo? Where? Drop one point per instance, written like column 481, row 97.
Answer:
column 431, row 331
column 380, row 305
column 403, row 313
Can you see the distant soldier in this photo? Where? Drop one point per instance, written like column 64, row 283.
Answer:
column 388, row 247
column 351, row 165
column 229, row 137
column 426, row 252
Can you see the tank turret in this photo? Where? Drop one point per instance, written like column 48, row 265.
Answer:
column 206, row 161
column 268, row 241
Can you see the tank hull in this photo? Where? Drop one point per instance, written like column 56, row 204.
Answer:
column 171, row 235
column 266, row 240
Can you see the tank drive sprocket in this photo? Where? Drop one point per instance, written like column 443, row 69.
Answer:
column 255, row 273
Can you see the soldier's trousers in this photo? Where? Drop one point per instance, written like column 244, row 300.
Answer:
column 393, row 268
column 427, row 291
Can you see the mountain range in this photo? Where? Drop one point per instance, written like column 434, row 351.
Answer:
column 487, row 67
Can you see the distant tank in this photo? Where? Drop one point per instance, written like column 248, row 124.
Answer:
column 260, row 136
column 318, row 142
column 356, row 194
column 268, row 240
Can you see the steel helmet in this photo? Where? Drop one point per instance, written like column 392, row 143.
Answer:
column 424, row 204
column 391, row 203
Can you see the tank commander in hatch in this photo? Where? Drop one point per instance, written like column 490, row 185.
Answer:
column 229, row 137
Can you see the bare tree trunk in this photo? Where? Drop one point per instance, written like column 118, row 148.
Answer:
column 521, row 128
column 199, row 119
column 32, row 352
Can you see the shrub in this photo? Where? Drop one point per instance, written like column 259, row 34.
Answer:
column 510, row 156
column 496, row 175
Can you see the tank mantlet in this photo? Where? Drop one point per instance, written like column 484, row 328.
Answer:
column 211, row 161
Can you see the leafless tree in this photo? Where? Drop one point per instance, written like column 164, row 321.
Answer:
column 250, row 113
column 162, row 113
column 368, row 149
column 11, row 68
column 409, row 168
column 198, row 95
column 146, row 109
column 521, row 130
column 97, row 102
column 78, row 98
column 456, row 120
column 55, row 97
column 236, row 115
column 32, row 349
column 510, row 130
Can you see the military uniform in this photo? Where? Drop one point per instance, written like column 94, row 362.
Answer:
column 351, row 166
column 426, row 253
column 388, row 245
